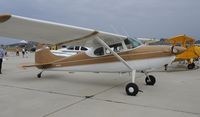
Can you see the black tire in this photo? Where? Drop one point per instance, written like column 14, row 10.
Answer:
column 191, row 66
column 132, row 89
column 150, row 80
column 39, row 75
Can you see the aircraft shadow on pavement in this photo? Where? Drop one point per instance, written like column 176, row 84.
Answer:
column 175, row 68
column 77, row 78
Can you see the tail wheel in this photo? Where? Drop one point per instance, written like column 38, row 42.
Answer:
column 39, row 75
column 191, row 66
column 150, row 80
column 132, row 89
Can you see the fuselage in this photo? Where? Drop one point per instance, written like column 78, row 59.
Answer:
column 140, row 58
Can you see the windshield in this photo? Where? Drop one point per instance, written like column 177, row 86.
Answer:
column 132, row 43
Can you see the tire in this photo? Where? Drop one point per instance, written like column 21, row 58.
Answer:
column 39, row 75
column 191, row 66
column 132, row 89
column 150, row 80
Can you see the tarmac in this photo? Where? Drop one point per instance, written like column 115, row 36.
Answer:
column 60, row 94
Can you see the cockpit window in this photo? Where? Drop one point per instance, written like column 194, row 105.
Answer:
column 132, row 43
column 118, row 47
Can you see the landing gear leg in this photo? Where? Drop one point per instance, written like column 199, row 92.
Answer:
column 39, row 74
column 150, row 79
column 132, row 88
column 191, row 64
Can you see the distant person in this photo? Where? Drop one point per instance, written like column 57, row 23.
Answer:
column 23, row 52
column 1, row 58
column 26, row 53
column 17, row 52
column 6, row 54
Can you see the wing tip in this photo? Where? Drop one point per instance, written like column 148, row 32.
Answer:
column 4, row 18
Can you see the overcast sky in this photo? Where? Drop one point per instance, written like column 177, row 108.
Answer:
column 135, row 18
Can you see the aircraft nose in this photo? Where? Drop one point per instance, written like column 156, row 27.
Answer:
column 177, row 50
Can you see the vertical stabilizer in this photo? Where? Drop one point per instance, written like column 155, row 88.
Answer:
column 44, row 56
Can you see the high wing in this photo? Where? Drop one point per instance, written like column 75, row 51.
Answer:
column 18, row 27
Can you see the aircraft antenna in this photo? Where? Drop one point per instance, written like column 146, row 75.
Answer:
column 124, row 31
column 115, row 30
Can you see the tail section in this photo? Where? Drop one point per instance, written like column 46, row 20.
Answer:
column 44, row 56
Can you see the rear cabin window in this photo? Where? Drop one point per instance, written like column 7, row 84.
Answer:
column 77, row 47
column 64, row 46
column 83, row 48
column 70, row 48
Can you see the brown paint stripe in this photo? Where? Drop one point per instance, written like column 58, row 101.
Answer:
column 106, row 60
column 85, row 60
column 4, row 18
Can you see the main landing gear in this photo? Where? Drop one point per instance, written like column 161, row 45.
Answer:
column 191, row 66
column 132, row 88
column 150, row 80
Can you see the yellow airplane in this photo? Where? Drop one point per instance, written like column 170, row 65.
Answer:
column 192, row 52
column 107, row 52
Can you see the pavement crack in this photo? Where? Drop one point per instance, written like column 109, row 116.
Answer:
column 110, row 88
column 121, row 83
column 65, row 107
column 43, row 91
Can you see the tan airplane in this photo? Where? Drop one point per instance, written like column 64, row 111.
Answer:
column 107, row 52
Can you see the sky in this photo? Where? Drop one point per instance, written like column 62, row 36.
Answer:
column 134, row 18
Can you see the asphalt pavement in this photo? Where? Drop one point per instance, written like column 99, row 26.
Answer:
column 60, row 94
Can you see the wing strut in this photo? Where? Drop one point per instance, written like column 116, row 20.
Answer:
column 131, row 88
column 114, row 53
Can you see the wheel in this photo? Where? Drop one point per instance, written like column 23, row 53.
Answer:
column 39, row 75
column 166, row 65
column 191, row 66
column 150, row 80
column 131, row 89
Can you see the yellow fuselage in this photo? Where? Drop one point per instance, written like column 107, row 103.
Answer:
column 191, row 52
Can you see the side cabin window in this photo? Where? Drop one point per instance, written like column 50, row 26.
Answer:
column 104, row 51
column 99, row 51
column 77, row 47
column 63, row 46
column 83, row 49
column 70, row 48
